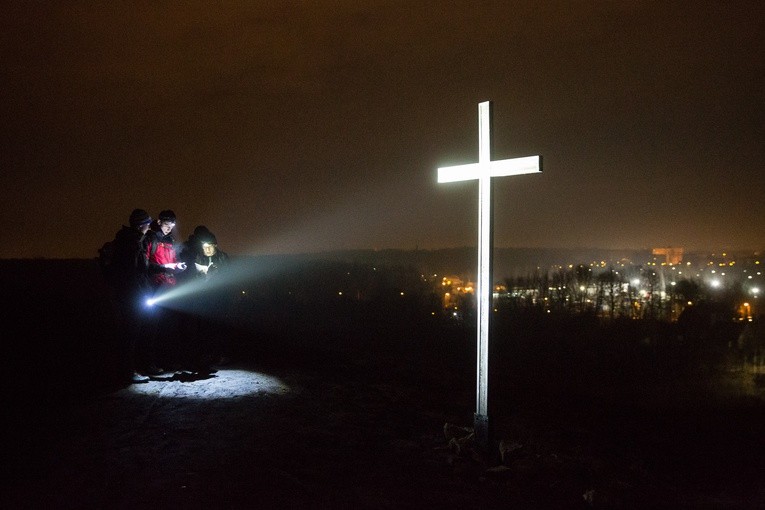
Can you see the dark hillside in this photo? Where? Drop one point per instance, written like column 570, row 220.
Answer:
column 590, row 413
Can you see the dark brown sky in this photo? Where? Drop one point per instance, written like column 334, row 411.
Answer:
column 315, row 125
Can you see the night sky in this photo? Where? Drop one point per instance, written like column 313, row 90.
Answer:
column 308, row 126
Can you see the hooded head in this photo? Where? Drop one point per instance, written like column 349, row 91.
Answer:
column 139, row 218
column 206, row 240
column 166, row 221
column 167, row 215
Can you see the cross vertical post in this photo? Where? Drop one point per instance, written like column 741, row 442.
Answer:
column 484, row 286
column 483, row 171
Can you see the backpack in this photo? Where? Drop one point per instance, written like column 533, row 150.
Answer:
column 113, row 267
column 108, row 264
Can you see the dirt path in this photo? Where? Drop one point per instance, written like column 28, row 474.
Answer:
column 250, row 438
column 241, row 439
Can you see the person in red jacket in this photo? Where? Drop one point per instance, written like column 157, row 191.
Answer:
column 163, row 265
column 160, row 251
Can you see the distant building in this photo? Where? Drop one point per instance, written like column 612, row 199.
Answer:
column 673, row 256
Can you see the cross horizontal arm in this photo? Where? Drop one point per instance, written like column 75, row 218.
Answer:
column 515, row 166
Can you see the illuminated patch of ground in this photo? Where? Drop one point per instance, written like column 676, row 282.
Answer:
column 226, row 383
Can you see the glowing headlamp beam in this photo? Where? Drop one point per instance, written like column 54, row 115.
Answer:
column 182, row 296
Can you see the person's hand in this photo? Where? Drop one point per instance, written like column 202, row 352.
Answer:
column 175, row 266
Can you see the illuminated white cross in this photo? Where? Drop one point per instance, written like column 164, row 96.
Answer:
column 484, row 170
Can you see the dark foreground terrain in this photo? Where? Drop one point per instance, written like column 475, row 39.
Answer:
column 339, row 404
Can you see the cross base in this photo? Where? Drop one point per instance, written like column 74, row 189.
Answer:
column 482, row 432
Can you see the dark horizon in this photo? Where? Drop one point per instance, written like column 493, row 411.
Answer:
column 509, row 263
column 318, row 252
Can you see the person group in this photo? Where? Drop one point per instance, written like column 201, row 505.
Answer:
column 147, row 264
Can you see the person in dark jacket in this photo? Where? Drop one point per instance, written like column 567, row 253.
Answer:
column 205, row 332
column 201, row 253
column 131, row 287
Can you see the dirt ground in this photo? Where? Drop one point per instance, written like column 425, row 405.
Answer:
column 368, row 413
column 254, row 437
column 242, row 438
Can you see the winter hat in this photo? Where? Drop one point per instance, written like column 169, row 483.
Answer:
column 208, row 238
column 167, row 215
column 139, row 217
column 201, row 231
column 203, row 235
